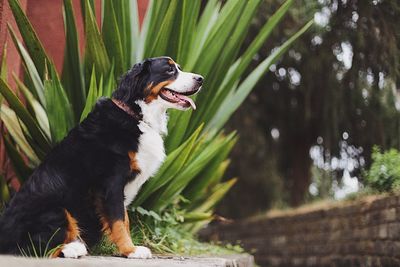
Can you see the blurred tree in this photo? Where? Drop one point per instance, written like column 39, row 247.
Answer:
column 338, row 84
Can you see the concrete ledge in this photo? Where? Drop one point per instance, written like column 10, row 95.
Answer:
column 242, row 260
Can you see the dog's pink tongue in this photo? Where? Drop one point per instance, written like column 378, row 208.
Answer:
column 188, row 99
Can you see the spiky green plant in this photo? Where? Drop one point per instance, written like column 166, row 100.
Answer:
column 204, row 41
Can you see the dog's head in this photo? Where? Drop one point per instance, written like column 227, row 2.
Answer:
column 159, row 79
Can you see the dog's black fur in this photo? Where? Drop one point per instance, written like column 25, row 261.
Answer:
column 90, row 166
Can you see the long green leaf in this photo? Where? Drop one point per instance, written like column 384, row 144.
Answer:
column 212, row 173
column 231, row 104
column 152, row 24
column 206, row 22
column 22, row 171
column 32, row 42
column 4, row 69
column 95, row 51
column 58, row 109
column 144, row 32
column 24, row 115
column 224, row 41
column 217, row 193
column 135, row 33
column 159, row 45
column 112, row 38
column 10, row 120
column 39, row 111
column 92, row 96
column 72, row 75
column 177, row 128
column 31, row 69
column 172, row 165
column 241, row 65
column 4, row 192
column 128, row 33
column 186, row 175
column 190, row 13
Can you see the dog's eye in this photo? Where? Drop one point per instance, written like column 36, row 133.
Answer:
column 171, row 69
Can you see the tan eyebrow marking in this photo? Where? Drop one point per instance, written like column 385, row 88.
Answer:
column 170, row 61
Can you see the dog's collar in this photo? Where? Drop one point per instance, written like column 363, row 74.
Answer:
column 126, row 108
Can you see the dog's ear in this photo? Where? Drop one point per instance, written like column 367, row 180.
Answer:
column 132, row 83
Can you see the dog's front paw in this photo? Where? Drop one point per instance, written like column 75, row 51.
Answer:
column 140, row 253
column 74, row 250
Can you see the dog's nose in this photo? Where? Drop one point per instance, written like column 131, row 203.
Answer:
column 199, row 79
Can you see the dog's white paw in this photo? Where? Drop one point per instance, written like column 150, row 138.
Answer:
column 74, row 249
column 140, row 253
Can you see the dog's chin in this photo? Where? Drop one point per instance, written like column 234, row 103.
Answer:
column 177, row 100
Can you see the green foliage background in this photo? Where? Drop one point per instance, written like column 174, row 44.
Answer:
column 384, row 173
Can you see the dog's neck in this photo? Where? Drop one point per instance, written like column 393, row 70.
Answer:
column 126, row 108
column 155, row 115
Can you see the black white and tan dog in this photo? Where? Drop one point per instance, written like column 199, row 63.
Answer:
column 82, row 188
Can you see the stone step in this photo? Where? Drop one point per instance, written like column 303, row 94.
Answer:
column 240, row 260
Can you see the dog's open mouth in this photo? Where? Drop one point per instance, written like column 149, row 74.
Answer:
column 181, row 99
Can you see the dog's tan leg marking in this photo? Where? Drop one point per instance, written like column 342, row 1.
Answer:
column 71, row 235
column 126, row 221
column 72, row 228
column 120, row 237
column 118, row 233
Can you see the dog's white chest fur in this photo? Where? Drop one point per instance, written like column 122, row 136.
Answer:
column 151, row 153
